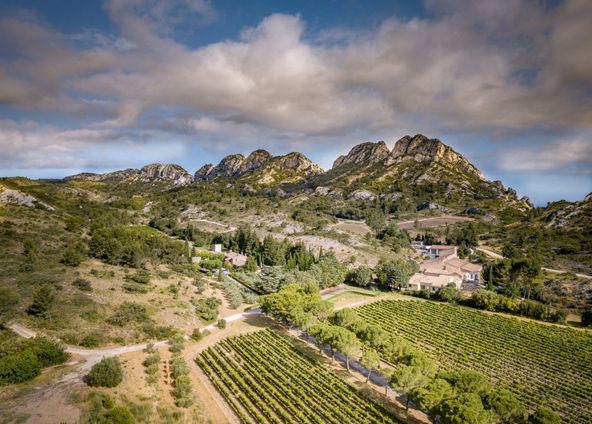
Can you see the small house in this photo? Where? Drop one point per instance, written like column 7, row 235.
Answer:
column 236, row 259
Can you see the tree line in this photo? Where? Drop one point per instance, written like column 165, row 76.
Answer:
column 458, row 397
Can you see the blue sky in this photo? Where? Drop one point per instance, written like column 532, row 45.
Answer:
column 123, row 83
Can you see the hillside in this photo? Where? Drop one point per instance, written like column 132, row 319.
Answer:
column 419, row 170
column 418, row 173
column 569, row 215
column 260, row 169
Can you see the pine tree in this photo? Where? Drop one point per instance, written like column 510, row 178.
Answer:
column 42, row 300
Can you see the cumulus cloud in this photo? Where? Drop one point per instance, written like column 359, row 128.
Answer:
column 466, row 66
column 571, row 155
column 29, row 145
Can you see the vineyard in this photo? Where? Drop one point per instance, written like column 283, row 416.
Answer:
column 266, row 380
column 543, row 365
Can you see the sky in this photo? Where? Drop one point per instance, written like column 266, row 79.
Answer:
column 96, row 86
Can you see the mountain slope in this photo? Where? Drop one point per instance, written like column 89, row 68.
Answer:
column 170, row 174
column 420, row 169
column 260, row 168
column 572, row 215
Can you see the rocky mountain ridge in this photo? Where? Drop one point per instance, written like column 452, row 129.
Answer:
column 418, row 148
column 418, row 168
column 565, row 214
column 416, row 164
column 363, row 154
column 422, row 149
column 263, row 166
column 169, row 173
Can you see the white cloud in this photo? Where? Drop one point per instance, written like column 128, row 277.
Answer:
column 453, row 71
column 573, row 155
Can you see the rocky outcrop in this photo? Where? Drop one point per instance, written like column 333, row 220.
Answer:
column 265, row 168
column 526, row 200
column 156, row 172
column 203, row 173
column 255, row 161
column 336, row 193
column 297, row 162
column 569, row 215
column 364, row 154
column 168, row 172
column 362, row 195
column 431, row 206
column 15, row 197
column 419, row 148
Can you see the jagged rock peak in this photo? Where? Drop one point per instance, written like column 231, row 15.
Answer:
column 419, row 148
column 365, row 153
column 229, row 166
column 170, row 171
column 204, row 172
column 255, row 161
column 297, row 162
column 259, row 160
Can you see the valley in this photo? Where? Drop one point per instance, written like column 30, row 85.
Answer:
column 244, row 292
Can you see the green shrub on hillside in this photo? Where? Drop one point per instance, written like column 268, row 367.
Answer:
column 23, row 360
column 107, row 373
column 119, row 415
column 82, row 284
column 128, row 312
column 18, row 367
column 42, row 300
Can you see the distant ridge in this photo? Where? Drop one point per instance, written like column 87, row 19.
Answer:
column 421, row 169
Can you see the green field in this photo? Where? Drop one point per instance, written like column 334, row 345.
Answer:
column 544, row 365
column 266, row 380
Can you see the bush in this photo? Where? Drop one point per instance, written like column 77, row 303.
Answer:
column 91, row 340
column 484, row 299
column 73, row 255
column 361, row 276
column 233, row 293
column 135, row 288
column 42, row 301
column 159, row 332
column 178, row 367
column 82, row 284
column 107, row 373
column 177, row 344
column 152, row 359
column 207, row 309
column 18, row 367
column 128, row 312
column 544, row 416
column 46, row 351
column 183, row 392
column 141, row 277
column 197, row 335
column 221, row 323
column 119, row 415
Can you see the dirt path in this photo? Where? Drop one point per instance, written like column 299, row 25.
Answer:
column 214, row 406
column 91, row 356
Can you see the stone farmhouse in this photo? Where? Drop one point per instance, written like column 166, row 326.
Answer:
column 445, row 267
column 236, row 259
